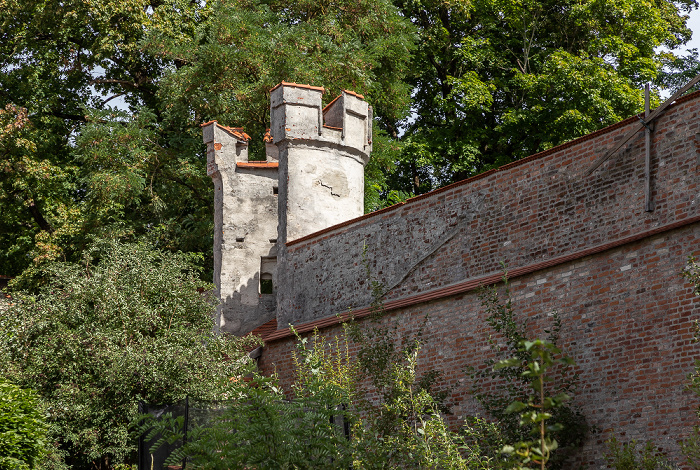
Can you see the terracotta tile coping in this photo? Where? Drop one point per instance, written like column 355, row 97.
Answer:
column 265, row 329
column 257, row 164
column 298, row 85
column 544, row 153
column 331, row 127
column 475, row 283
column 236, row 131
column 354, row 94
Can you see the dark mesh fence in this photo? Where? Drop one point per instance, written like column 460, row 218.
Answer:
column 155, row 458
column 196, row 413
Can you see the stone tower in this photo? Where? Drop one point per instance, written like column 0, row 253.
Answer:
column 322, row 153
column 245, row 229
column 313, row 178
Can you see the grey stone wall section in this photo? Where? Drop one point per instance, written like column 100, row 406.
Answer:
column 245, row 231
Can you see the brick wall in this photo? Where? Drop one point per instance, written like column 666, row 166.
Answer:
column 580, row 245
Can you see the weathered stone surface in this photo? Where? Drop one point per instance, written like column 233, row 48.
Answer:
column 245, row 230
column 321, row 184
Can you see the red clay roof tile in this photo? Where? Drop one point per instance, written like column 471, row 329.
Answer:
column 260, row 164
column 265, row 329
column 236, row 131
column 298, row 85
column 354, row 94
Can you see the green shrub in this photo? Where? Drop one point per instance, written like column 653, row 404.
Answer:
column 22, row 428
column 331, row 418
column 538, row 412
column 127, row 324
column 628, row 456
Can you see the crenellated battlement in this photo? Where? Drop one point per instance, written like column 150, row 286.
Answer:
column 297, row 113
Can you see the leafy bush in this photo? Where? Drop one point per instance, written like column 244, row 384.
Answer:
column 263, row 428
column 22, row 428
column 538, row 412
column 516, row 386
column 127, row 324
column 627, row 456
column 331, row 419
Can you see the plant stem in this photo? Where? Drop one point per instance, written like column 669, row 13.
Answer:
column 542, row 447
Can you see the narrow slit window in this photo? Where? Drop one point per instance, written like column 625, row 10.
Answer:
column 273, row 240
column 266, row 283
column 275, row 190
column 268, row 267
column 240, row 239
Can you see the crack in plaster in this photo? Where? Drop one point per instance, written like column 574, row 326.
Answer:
column 329, row 187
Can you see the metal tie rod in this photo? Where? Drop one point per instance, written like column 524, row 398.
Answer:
column 640, row 127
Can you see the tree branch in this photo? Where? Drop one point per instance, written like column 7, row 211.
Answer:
column 39, row 218
column 188, row 186
column 111, row 98
column 98, row 81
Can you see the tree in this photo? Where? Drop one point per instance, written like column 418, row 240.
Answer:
column 92, row 170
column 128, row 323
column 495, row 81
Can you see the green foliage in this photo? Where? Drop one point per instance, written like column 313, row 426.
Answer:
column 495, row 81
column 267, row 429
column 692, row 274
column 405, row 428
column 261, row 427
column 73, row 167
column 627, row 456
column 690, row 447
column 537, row 412
column 516, row 383
column 245, row 47
column 483, row 444
column 126, row 324
column 22, row 428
